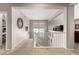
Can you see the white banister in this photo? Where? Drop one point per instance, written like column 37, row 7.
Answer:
column 58, row 39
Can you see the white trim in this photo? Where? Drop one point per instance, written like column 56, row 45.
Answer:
column 55, row 47
column 72, row 4
column 69, row 49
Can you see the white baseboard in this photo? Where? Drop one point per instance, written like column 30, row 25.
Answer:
column 55, row 47
column 69, row 49
column 48, row 47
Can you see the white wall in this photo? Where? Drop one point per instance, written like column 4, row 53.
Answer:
column 59, row 20
column 76, row 11
column 18, row 35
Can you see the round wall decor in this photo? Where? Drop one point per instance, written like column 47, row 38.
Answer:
column 20, row 23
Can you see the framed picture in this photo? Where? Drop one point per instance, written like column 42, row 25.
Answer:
column 76, row 26
column 20, row 23
column 26, row 28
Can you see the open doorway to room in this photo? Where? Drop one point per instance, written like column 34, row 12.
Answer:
column 47, row 27
column 3, row 30
column 39, row 31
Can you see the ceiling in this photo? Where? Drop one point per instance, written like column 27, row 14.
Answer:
column 39, row 14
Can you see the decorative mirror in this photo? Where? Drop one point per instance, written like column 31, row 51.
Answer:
column 20, row 23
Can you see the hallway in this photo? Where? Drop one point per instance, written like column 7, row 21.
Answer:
column 26, row 49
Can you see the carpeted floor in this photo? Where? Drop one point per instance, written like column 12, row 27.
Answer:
column 27, row 49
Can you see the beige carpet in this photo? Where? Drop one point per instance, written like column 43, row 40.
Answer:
column 26, row 49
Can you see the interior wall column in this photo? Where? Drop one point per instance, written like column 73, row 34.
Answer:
column 70, row 27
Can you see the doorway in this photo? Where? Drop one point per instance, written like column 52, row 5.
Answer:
column 39, row 32
column 3, row 29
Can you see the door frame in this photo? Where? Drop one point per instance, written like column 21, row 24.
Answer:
column 51, row 7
